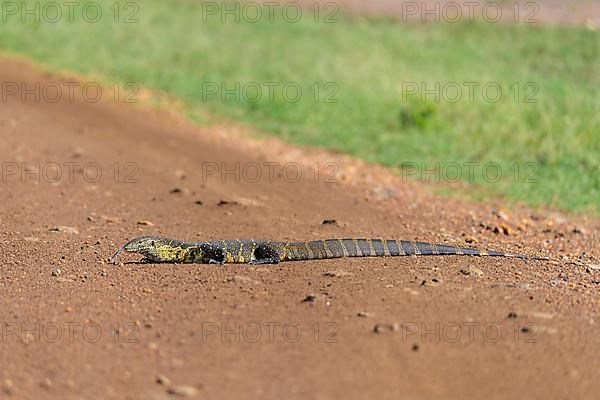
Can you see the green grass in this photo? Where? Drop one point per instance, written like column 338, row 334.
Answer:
column 171, row 49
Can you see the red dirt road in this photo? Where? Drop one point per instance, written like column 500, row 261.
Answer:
column 75, row 327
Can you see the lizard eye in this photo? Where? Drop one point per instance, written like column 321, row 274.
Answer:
column 153, row 243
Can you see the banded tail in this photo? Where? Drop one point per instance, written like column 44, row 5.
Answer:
column 337, row 248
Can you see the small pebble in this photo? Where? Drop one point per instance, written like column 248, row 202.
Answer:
column 338, row 273
column 432, row 282
column 183, row 391
column 46, row 383
column 309, row 299
column 163, row 380
column 386, row 328
column 65, row 229
column 471, row 239
column 7, row 387
column 500, row 214
column 471, row 270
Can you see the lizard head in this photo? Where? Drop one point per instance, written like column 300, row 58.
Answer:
column 153, row 248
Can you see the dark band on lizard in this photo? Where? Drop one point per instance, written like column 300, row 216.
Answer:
column 164, row 250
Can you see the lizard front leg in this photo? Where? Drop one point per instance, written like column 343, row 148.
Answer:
column 213, row 255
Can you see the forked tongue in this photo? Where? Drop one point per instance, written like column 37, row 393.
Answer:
column 113, row 259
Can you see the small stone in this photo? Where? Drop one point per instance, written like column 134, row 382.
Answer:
column 579, row 230
column 432, row 282
column 386, row 328
column 65, row 229
column 309, row 299
column 46, row 383
column 183, row 391
column 471, row 239
column 176, row 191
column 338, row 273
column 244, row 201
column 7, row 387
column 199, row 202
column 500, row 214
column 329, row 222
column 512, row 315
column 471, row 270
column 163, row 380
column 145, row 223
column 58, row 272
column 505, row 229
column 364, row 314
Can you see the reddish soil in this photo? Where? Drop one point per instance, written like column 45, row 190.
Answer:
column 76, row 327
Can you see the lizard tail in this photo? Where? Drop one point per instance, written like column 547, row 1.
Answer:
column 336, row 248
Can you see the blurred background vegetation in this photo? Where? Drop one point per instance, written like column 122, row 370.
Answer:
column 354, row 73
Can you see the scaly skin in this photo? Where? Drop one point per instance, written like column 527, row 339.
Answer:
column 165, row 250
